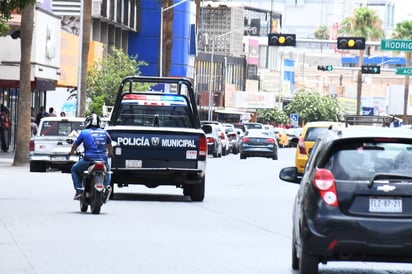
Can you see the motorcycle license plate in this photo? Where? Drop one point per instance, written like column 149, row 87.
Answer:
column 133, row 163
column 385, row 204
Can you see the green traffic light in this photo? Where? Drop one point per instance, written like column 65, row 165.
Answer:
column 329, row 68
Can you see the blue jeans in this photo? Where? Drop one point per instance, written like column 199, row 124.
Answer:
column 77, row 172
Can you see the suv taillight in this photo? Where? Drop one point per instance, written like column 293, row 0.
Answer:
column 325, row 183
column 301, row 146
column 31, row 145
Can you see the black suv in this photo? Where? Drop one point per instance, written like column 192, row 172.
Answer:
column 355, row 198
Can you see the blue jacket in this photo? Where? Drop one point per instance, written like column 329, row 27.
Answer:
column 95, row 142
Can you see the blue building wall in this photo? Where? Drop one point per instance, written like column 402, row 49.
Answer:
column 145, row 44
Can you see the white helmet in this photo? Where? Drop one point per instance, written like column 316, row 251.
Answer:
column 92, row 120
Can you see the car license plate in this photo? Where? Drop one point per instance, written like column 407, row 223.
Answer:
column 385, row 204
column 133, row 163
column 59, row 158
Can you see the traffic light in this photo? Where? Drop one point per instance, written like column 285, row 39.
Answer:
column 282, row 40
column 370, row 69
column 351, row 42
column 325, row 68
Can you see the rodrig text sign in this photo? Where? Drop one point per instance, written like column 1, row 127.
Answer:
column 396, row 45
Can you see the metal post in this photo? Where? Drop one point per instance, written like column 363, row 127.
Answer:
column 161, row 43
column 79, row 77
column 209, row 115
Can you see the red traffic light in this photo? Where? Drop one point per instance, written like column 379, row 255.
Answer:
column 281, row 39
column 351, row 43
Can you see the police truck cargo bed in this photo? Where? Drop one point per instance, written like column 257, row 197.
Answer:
column 157, row 135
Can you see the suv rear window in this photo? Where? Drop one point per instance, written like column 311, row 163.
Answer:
column 60, row 128
column 207, row 129
column 361, row 161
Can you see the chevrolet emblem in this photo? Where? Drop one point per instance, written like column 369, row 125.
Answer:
column 386, row 188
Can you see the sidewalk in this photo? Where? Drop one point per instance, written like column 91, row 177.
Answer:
column 7, row 157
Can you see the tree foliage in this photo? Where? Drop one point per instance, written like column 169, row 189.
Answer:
column 270, row 116
column 322, row 33
column 6, row 9
column 104, row 78
column 310, row 105
column 364, row 22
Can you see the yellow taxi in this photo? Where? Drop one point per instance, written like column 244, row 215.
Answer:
column 311, row 131
column 281, row 136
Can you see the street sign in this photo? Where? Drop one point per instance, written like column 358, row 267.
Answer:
column 404, row 71
column 396, row 45
column 295, row 118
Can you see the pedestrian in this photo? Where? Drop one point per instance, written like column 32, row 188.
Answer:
column 62, row 114
column 34, row 126
column 51, row 112
column 4, row 128
column 42, row 113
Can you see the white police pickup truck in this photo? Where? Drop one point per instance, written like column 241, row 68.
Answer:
column 50, row 147
column 157, row 136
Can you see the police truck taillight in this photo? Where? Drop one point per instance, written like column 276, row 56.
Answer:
column 202, row 146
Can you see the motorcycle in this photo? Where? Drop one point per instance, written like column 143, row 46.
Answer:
column 94, row 193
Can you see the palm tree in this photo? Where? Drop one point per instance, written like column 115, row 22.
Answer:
column 322, row 33
column 403, row 30
column 26, row 7
column 363, row 23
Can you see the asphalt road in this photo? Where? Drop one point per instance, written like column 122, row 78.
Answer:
column 242, row 227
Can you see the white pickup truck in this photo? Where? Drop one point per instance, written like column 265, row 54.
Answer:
column 50, row 147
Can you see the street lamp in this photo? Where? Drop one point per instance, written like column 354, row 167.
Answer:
column 161, row 33
column 209, row 115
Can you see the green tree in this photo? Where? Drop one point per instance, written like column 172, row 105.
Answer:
column 104, row 78
column 23, row 132
column 403, row 31
column 273, row 115
column 364, row 22
column 310, row 105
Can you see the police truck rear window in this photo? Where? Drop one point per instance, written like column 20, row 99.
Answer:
column 154, row 110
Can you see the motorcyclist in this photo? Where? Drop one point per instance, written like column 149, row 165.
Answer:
column 97, row 146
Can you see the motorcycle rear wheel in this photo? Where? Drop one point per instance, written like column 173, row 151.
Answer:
column 96, row 202
column 83, row 204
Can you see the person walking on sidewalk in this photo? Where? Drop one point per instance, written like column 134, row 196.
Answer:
column 4, row 128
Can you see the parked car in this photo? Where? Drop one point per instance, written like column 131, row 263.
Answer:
column 232, row 136
column 214, row 142
column 51, row 145
column 294, row 136
column 252, row 125
column 281, row 136
column 258, row 143
column 222, row 134
column 310, row 133
column 353, row 202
